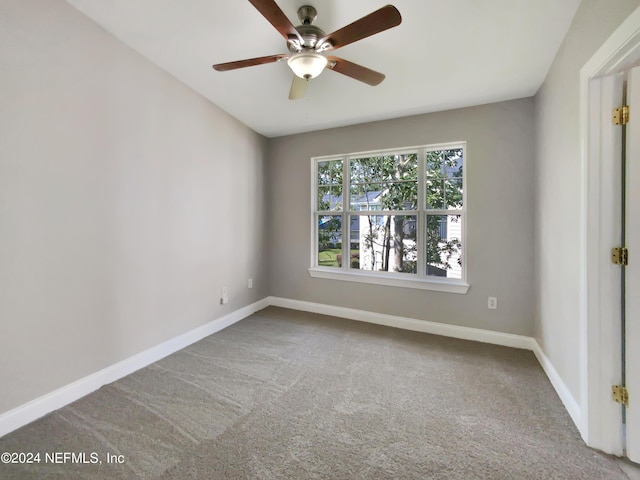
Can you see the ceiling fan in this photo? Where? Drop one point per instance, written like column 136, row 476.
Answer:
column 307, row 43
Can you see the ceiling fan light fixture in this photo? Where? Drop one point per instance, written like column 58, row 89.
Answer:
column 307, row 65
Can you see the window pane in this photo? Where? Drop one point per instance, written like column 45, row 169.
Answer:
column 388, row 182
column 383, row 243
column 453, row 193
column 330, row 172
column 399, row 196
column 435, row 194
column 329, row 240
column 446, row 165
column 330, row 198
column 452, row 162
column 364, row 170
column 435, row 161
column 444, row 246
column 366, row 196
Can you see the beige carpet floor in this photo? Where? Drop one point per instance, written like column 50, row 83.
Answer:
column 291, row 395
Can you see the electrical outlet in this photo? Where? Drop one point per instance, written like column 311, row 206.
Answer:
column 250, row 283
column 224, row 297
column 492, row 303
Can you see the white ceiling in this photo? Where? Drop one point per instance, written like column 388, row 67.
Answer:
column 445, row 54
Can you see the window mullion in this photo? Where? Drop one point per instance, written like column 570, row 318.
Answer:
column 314, row 217
column 421, row 267
column 456, row 211
column 384, row 213
column 346, row 214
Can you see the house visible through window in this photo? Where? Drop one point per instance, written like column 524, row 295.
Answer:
column 389, row 216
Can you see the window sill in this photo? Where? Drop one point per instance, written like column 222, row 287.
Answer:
column 449, row 286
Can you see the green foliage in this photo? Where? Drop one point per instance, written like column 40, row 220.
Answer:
column 329, row 258
column 329, row 231
column 393, row 177
column 438, row 247
column 330, row 185
column 444, row 179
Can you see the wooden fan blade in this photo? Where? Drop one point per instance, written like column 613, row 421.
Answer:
column 298, row 87
column 250, row 62
column 353, row 70
column 270, row 10
column 376, row 22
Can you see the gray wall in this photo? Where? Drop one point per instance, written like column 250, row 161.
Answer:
column 118, row 188
column 499, row 169
column 558, row 186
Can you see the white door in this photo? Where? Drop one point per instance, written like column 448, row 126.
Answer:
column 632, row 350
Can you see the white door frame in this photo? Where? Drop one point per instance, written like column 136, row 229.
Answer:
column 600, row 424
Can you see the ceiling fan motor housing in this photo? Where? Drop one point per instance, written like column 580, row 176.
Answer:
column 310, row 35
column 307, row 14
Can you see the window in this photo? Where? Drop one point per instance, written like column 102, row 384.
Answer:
column 393, row 217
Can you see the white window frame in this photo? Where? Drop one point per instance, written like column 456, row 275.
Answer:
column 395, row 279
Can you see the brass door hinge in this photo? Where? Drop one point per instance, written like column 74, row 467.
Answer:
column 620, row 256
column 620, row 394
column 621, row 115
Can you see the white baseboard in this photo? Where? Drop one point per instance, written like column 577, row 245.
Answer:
column 27, row 413
column 561, row 388
column 454, row 331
